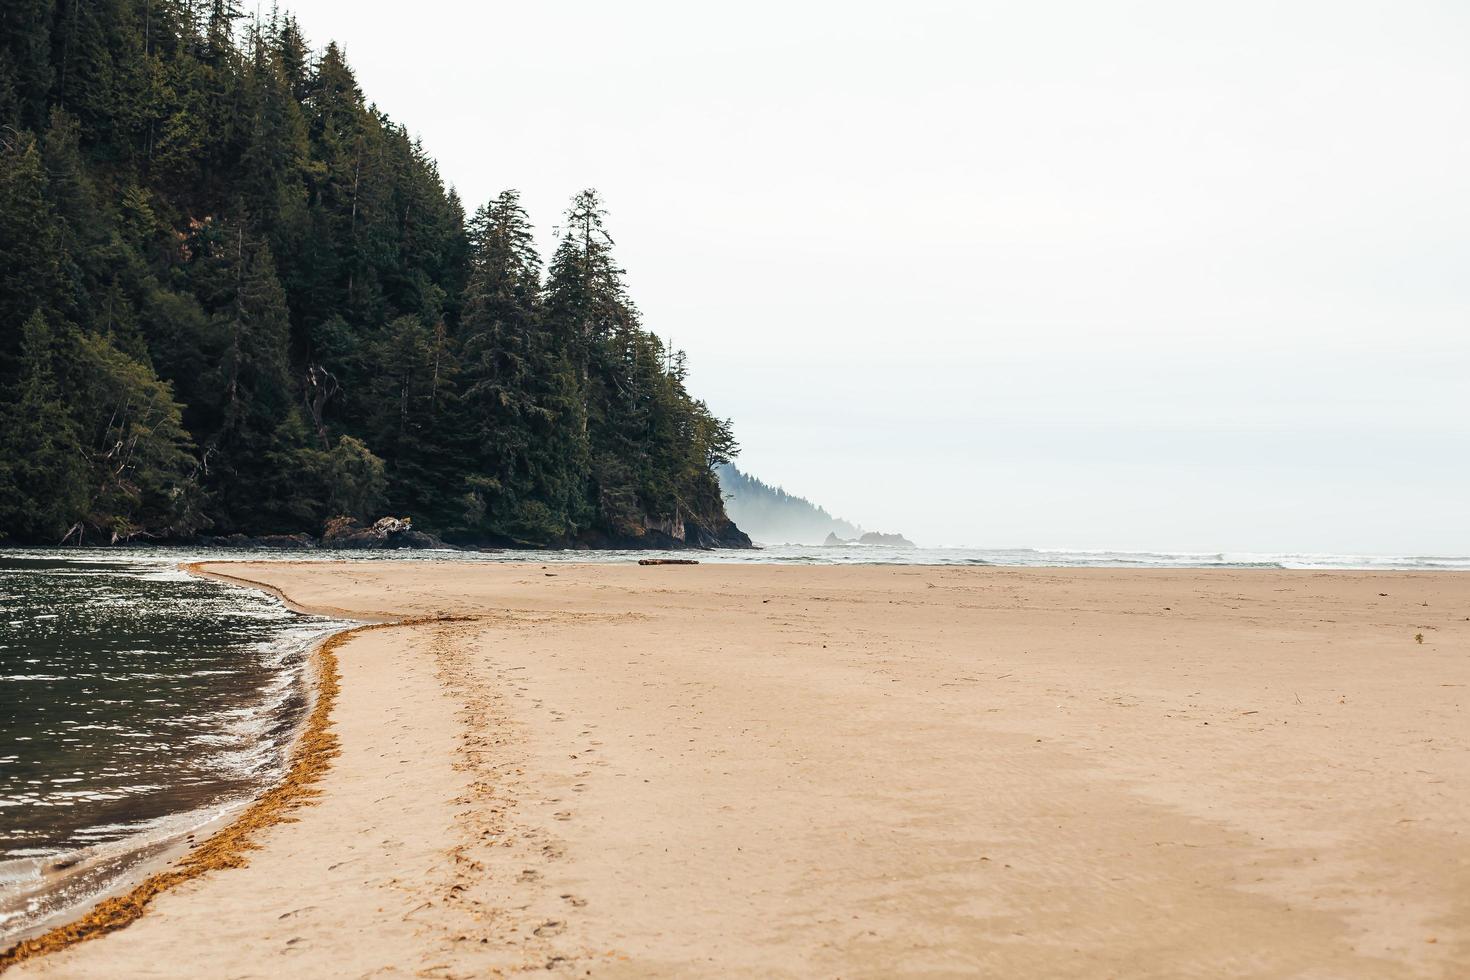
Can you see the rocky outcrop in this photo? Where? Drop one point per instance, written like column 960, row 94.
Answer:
column 689, row 533
column 340, row 532
column 669, row 528
column 888, row 540
column 386, row 533
column 871, row 537
column 725, row 536
column 668, row 535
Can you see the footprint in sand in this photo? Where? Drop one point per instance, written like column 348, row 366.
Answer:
column 287, row 915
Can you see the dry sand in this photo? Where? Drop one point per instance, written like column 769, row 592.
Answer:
column 782, row 771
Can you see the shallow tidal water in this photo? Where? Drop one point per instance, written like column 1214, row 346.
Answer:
column 137, row 703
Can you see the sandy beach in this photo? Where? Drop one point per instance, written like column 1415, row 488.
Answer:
column 860, row 772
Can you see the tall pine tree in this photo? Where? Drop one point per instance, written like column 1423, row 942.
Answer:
column 236, row 296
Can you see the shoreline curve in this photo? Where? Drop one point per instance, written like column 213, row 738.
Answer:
column 311, row 757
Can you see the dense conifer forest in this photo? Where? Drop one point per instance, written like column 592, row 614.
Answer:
column 235, row 296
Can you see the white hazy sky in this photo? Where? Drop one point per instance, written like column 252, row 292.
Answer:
column 1136, row 275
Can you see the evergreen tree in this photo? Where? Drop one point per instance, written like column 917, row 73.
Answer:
column 258, row 464
column 275, row 151
column 25, row 62
column 292, row 53
column 407, row 413
column 31, row 258
column 520, row 395
column 650, row 446
column 42, row 470
column 585, row 298
column 356, row 481
column 236, row 296
column 140, row 457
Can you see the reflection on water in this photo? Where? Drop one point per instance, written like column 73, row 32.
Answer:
column 135, row 701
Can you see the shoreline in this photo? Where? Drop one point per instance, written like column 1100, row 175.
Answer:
column 848, row 769
column 224, row 840
column 197, row 569
column 138, row 860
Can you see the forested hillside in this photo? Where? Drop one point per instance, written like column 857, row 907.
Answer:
column 771, row 515
column 237, row 297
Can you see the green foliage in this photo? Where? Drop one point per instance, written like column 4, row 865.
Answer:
column 520, row 399
column 651, row 446
column 25, row 61
column 42, row 467
column 140, row 457
column 355, row 480
column 235, row 296
column 31, row 259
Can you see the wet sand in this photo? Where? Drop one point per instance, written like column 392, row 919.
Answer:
column 859, row 771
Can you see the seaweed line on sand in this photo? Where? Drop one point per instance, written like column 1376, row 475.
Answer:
column 311, row 757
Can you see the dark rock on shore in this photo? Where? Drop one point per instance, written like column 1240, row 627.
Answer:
column 386, row 533
column 668, row 535
column 340, row 532
column 725, row 537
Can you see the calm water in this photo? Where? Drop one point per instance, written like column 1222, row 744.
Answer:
column 136, row 703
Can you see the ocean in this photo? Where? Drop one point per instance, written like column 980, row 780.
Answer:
column 1062, row 558
column 139, row 704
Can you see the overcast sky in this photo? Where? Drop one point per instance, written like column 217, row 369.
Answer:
column 1186, row 276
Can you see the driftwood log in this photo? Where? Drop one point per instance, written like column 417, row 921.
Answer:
column 667, row 561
